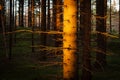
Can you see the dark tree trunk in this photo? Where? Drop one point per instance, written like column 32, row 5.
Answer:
column 33, row 23
column 10, row 30
column 85, row 9
column 48, row 16
column 29, row 13
column 110, row 18
column 39, row 14
column 15, row 20
column 43, row 28
column 21, row 13
column 101, row 11
column 1, row 8
column 57, row 20
column 119, row 18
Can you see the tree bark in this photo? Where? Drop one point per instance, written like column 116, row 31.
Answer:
column 43, row 28
column 21, row 13
column 10, row 30
column 70, row 57
column 32, row 23
column 85, row 24
column 101, row 11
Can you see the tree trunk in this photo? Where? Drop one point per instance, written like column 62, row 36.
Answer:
column 33, row 23
column 2, row 25
column 43, row 28
column 70, row 57
column 1, row 8
column 21, row 13
column 48, row 16
column 58, row 20
column 10, row 30
column 119, row 18
column 29, row 13
column 110, row 18
column 101, row 11
column 85, row 24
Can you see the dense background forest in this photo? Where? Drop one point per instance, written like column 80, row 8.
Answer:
column 59, row 39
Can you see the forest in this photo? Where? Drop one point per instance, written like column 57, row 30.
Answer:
column 59, row 39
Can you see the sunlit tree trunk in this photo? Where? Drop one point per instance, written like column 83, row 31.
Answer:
column 70, row 57
column 101, row 11
column 85, row 23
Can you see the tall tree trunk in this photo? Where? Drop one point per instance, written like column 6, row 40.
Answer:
column 119, row 18
column 15, row 20
column 48, row 16
column 70, row 57
column 2, row 25
column 58, row 20
column 43, row 28
column 54, row 14
column 110, row 18
column 101, row 11
column 58, row 7
column 1, row 9
column 29, row 13
column 10, row 30
column 21, row 13
column 33, row 23
column 85, row 23
column 39, row 14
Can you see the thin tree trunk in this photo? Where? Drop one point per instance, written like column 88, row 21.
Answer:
column 110, row 18
column 119, row 18
column 21, row 13
column 29, row 13
column 10, row 30
column 33, row 23
column 39, row 14
column 70, row 57
column 48, row 16
column 15, row 26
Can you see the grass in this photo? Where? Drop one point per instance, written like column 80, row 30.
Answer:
column 25, row 65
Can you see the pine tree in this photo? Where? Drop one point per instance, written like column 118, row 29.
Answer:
column 70, row 57
column 101, row 11
column 85, row 24
column 43, row 28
